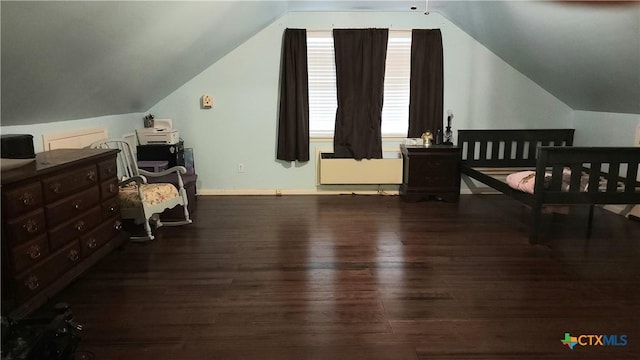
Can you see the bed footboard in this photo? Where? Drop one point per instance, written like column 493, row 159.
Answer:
column 585, row 175
column 565, row 175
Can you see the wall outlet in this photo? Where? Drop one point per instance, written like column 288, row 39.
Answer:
column 240, row 168
column 207, row 101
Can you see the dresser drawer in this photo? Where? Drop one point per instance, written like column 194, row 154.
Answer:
column 25, row 227
column 73, row 229
column 48, row 211
column 109, row 188
column 72, row 206
column 110, row 207
column 29, row 253
column 23, row 199
column 98, row 237
column 107, row 169
column 39, row 277
column 57, row 187
column 434, row 172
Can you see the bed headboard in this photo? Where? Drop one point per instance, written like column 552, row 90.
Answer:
column 73, row 139
column 508, row 148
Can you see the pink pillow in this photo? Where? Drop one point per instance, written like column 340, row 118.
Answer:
column 523, row 181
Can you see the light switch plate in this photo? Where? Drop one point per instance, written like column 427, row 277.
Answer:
column 207, row 101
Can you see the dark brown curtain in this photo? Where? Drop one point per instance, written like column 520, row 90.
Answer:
column 360, row 63
column 427, row 82
column 293, row 122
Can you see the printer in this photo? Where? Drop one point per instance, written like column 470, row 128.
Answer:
column 162, row 133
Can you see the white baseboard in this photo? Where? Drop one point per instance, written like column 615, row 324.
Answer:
column 617, row 209
column 479, row 191
column 316, row 192
column 273, row 192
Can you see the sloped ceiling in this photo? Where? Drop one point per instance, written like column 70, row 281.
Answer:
column 77, row 59
column 585, row 53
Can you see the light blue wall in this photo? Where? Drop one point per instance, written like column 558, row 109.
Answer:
column 481, row 89
column 605, row 129
column 116, row 125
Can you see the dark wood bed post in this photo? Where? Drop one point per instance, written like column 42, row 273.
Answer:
column 536, row 206
column 536, row 217
column 590, row 220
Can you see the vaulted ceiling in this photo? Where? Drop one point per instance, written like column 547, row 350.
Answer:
column 80, row 59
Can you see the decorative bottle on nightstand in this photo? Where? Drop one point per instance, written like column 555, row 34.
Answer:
column 448, row 134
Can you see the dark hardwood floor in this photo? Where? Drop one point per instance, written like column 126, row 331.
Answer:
column 364, row 277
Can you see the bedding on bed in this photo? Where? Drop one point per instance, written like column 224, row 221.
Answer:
column 526, row 181
column 523, row 180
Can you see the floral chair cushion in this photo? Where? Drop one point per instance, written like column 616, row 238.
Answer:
column 153, row 194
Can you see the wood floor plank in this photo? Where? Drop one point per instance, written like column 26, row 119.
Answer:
column 364, row 277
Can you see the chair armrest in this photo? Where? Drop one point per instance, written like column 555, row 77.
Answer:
column 136, row 179
column 171, row 170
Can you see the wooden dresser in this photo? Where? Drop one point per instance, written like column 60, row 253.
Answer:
column 430, row 172
column 60, row 215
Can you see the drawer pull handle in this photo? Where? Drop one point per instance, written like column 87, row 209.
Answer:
column 56, row 188
column 113, row 188
column 118, row 225
column 31, row 226
column 80, row 225
column 74, row 255
column 32, row 282
column 34, row 251
column 91, row 175
column 111, row 170
column 27, row 199
column 77, row 205
column 112, row 208
column 92, row 243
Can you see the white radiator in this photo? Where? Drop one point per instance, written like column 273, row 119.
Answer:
column 339, row 171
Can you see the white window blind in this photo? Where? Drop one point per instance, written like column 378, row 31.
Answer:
column 322, row 84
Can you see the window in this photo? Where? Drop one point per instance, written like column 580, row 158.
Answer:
column 322, row 84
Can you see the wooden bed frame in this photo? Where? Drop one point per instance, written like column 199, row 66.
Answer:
column 551, row 151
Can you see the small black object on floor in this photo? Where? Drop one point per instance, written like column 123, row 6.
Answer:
column 50, row 334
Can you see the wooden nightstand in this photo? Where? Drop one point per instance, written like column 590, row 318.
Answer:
column 430, row 172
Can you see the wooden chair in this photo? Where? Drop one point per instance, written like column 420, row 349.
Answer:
column 139, row 200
